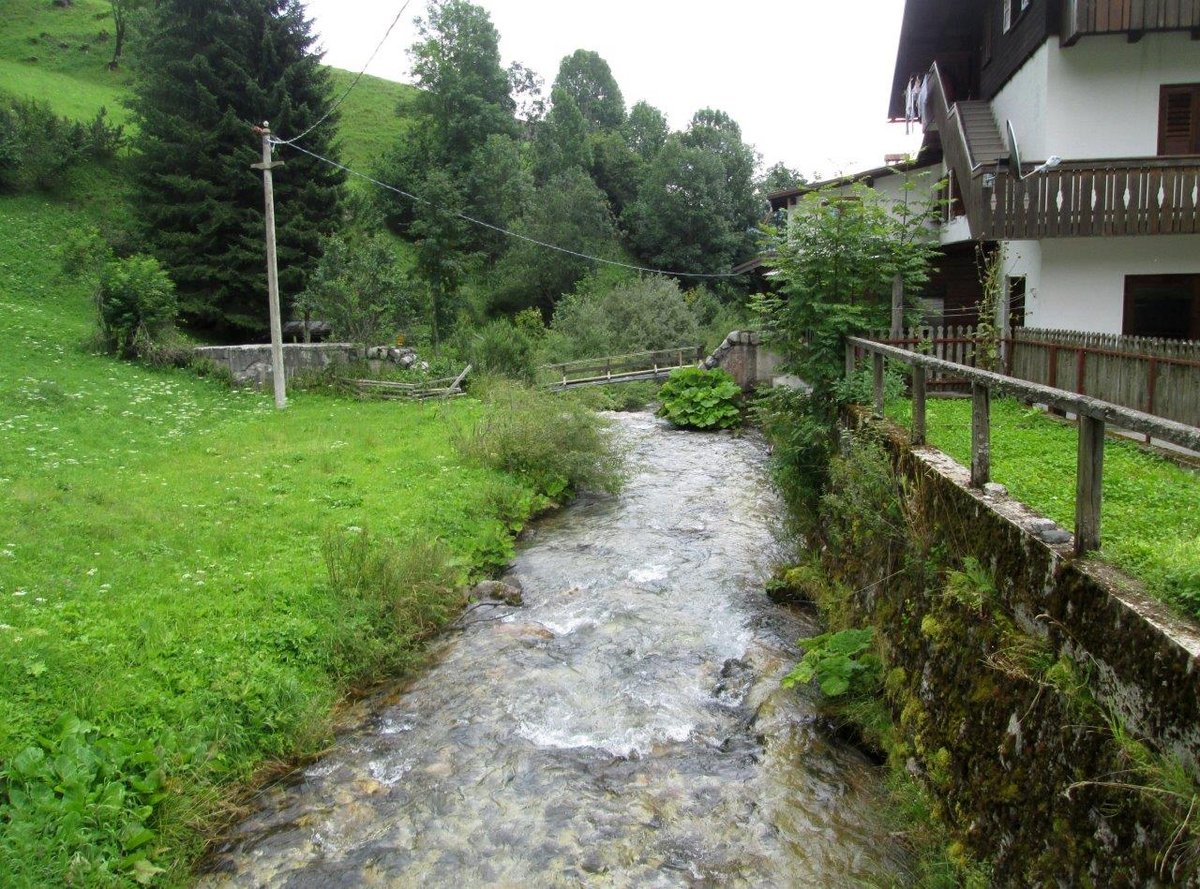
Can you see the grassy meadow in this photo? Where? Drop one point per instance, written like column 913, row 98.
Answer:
column 169, row 623
column 163, row 574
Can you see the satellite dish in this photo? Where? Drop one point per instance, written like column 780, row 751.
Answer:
column 1014, row 153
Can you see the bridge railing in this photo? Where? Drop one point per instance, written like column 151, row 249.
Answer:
column 618, row 367
column 1093, row 416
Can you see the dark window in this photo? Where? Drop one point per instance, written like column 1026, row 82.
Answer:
column 1165, row 306
column 1179, row 119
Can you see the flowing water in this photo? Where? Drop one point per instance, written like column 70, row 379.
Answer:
column 624, row 728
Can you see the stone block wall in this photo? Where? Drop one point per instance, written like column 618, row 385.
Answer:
column 744, row 357
column 251, row 365
column 1014, row 708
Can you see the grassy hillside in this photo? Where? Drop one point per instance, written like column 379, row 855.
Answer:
column 61, row 55
column 369, row 125
column 168, row 623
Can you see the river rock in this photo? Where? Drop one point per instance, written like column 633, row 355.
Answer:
column 497, row 590
column 524, row 631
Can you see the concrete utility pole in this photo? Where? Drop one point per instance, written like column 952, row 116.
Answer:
column 277, row 371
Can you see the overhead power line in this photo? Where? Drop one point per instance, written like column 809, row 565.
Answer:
column 499, row 229
column 342, row 98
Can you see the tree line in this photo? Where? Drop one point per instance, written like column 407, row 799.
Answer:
column 576, row 168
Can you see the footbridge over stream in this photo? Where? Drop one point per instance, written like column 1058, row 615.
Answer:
column 741, row 354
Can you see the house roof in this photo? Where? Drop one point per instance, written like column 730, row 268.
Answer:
column 932, row 30
column 779, row 199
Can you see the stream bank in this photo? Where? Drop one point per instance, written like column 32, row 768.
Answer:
column 625, row 727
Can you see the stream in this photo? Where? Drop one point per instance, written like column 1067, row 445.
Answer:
column 624, row 728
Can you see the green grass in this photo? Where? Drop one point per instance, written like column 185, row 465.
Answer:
column 1150, row 518
column 370, row 125
column 42, row 56
column 161, row 558
column 59, row 55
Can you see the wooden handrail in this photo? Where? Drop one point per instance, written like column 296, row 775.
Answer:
column 1093, row 415
column 588, row 362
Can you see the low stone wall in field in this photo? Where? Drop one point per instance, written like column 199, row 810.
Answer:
column 251, row 365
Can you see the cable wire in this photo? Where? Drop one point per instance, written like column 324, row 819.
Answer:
column 334, row 107
column 505, row 231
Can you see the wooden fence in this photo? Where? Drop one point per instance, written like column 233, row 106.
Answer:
column 1155, row 376
column 619, row 368
column 1093, row 415
column 1160, row 377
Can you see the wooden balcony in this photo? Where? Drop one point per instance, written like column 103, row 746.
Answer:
column 1134, row 196
column 1132, row 17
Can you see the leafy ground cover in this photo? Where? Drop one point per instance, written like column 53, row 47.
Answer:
column 167, row 619
column 1150, row 522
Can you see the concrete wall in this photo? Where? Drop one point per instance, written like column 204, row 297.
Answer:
column 251, row 365
column 1024, row 100
column 1103, row 96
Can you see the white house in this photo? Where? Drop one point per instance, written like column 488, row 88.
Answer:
column 1071, row 133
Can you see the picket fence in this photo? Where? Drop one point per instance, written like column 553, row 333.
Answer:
column 1155, row 376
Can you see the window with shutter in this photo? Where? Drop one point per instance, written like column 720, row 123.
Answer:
column 1179, row 119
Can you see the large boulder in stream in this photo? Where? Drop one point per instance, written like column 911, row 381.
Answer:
column 497, row 591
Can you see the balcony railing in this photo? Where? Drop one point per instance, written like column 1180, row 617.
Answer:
column 1133, row 17
column 1133, row 196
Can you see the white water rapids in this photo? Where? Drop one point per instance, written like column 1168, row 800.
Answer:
column 624, row 728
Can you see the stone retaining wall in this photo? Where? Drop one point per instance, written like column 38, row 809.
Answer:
column 1028, row 763
column 743, row 356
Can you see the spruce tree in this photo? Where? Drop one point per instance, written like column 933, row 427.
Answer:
column 207, row 71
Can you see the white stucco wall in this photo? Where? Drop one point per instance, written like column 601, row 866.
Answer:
column 1104, row 93
column 1079, row 283
column 1096, row 99
column 1023, row 100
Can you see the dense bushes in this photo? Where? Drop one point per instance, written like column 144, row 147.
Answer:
column 37, row 147
column 136, row 304
column 557, row 444
column 360, row 289
column 630, row 316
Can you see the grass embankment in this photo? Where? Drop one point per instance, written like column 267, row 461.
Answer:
column 1150, row 524
column 162, row 575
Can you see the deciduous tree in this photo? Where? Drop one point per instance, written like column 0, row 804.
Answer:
column 568, row 211
column 586, row 78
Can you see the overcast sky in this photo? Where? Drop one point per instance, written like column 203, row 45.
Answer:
column 807, row 81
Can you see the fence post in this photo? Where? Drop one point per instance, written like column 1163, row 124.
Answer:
column 849, row 360
column 1089, row 475
column 878, row 363
column 918, row 405
column 981, row 445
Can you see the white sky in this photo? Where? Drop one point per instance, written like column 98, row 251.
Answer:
column 808, row 81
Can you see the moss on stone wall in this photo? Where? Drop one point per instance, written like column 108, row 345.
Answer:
column 996, row 678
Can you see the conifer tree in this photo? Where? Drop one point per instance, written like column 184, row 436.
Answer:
column 207, row 72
